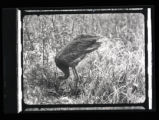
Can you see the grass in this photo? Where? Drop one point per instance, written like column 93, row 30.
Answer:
column 112, row 74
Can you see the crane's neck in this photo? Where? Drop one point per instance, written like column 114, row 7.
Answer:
column 64, row 77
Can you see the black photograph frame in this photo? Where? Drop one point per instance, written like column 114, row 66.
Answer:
column 10, row 59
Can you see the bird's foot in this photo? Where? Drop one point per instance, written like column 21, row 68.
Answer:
column 57, row 85
column 76, row 92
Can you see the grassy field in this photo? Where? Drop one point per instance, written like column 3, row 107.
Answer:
column 115, row 73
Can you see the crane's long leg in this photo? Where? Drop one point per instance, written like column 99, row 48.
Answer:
column 76, row 77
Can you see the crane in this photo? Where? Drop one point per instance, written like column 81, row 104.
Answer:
column 75, row 51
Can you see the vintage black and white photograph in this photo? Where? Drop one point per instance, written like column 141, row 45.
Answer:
column 84, row 58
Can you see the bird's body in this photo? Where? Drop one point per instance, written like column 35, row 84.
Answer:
column 74, row 52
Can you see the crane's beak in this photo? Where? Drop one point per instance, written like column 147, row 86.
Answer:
column 101, row 38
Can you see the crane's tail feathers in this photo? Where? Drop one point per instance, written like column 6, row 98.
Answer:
column 93, row 47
